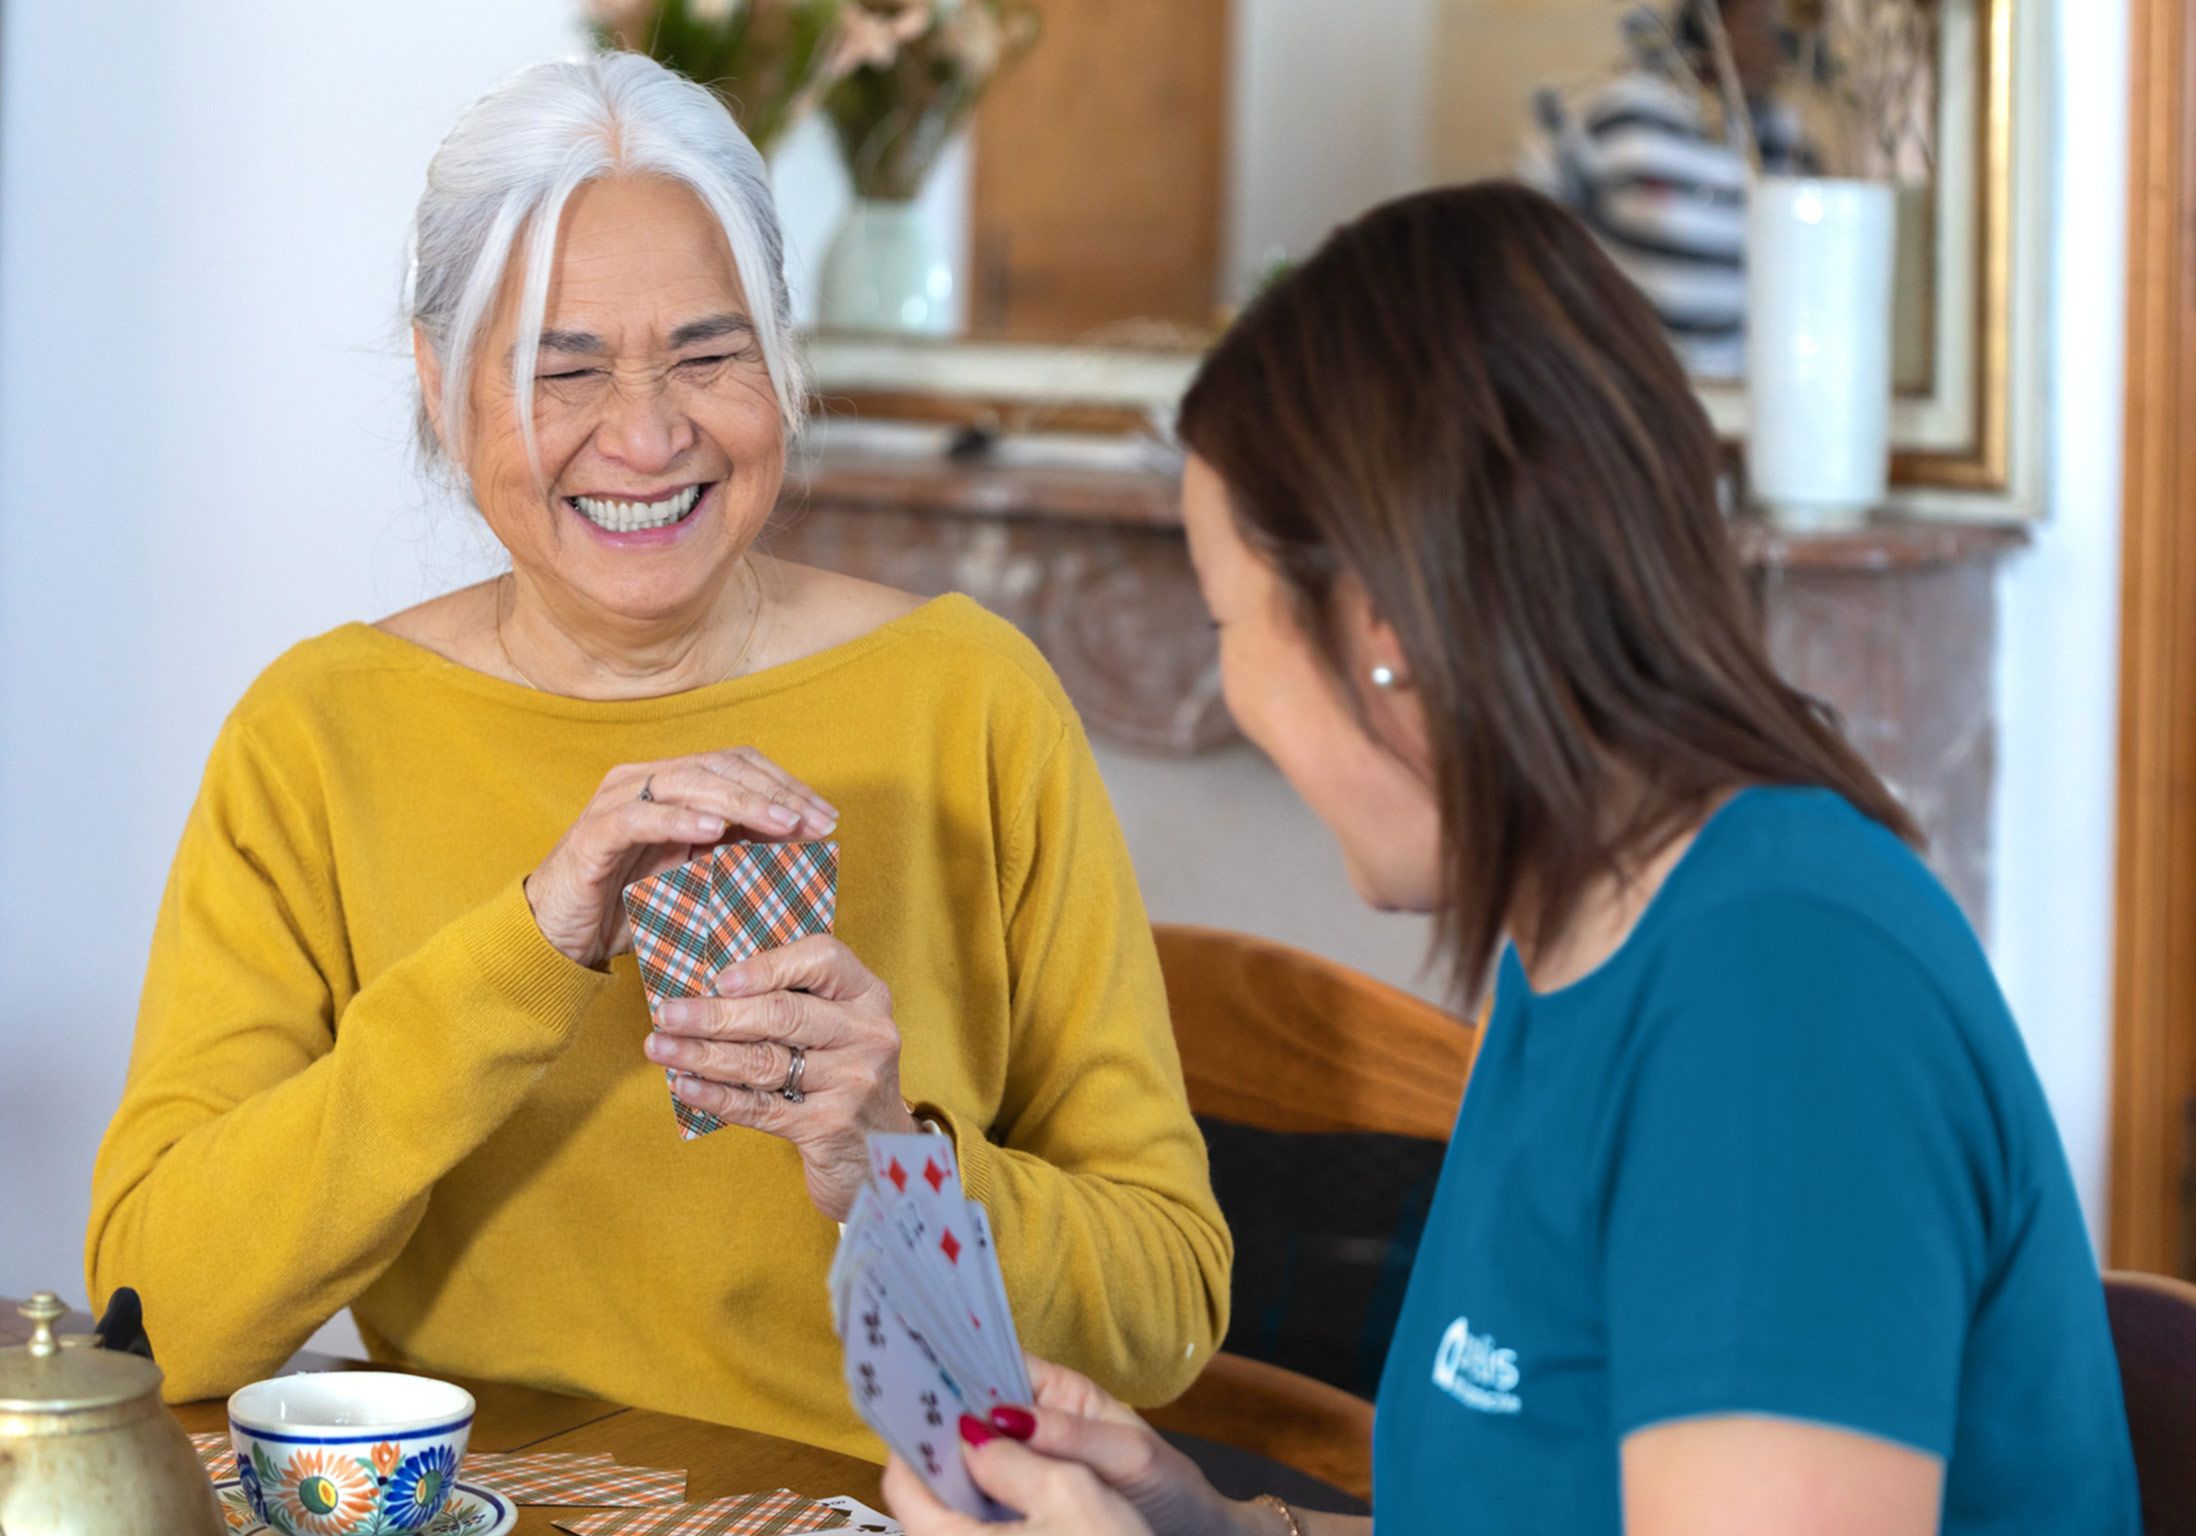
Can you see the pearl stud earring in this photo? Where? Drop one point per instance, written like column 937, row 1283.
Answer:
column 1383, row 677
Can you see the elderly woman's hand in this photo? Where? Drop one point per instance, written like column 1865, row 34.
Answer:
column 646, row 818
column 734, row 1053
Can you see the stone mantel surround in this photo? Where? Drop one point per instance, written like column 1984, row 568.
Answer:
column 1895, row 626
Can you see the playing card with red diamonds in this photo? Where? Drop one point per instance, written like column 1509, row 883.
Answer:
column 900, row 1392
column 942, row 1230
column 708, row 914
column 921, row 1308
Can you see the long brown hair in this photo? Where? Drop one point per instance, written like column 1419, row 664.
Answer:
column 1461, row 402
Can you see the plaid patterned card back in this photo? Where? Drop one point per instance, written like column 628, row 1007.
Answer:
column 216, row 1453
column 674, row 920
column 767, row 895
column 773, row 893
column 553, row 1478
column 673, row 917
column 695, row 919
column 746, row 1514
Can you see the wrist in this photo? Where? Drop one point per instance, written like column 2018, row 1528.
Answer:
column 896, row 1120
column 1264, row 1515
column 1241, row 1517
column 573, row 949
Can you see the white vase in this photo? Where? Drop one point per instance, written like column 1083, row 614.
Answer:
column 1818, row 349
column 890, row 268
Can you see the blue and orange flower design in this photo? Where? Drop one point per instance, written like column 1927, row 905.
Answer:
column 419, row 1487
column 325, row 1493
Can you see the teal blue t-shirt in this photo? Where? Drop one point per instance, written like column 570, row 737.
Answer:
column 1784, row 1154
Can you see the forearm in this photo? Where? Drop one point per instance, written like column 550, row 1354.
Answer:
column 247, row 1218
column 1121, row 1277
column 1112, row 1244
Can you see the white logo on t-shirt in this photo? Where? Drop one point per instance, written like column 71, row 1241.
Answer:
column 1470, row 1369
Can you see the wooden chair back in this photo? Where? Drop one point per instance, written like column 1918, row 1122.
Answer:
column 1321, row 1431
column 1278, row 1040
column 2154, row 1331
column 1283, row 1040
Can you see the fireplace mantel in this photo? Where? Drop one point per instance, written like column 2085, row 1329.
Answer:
column 1895, row 625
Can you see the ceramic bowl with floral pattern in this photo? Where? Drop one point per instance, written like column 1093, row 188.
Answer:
column 349, row 1453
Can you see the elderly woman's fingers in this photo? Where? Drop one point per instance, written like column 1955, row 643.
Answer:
column 757, row 804
column 736, row 760
column 757, row 776
column 652, row 823
column 787, row 1018
column 759, row 1109
column 764, row 1064
column 819, row 964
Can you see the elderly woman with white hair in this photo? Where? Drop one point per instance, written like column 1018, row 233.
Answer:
column 391, row 1055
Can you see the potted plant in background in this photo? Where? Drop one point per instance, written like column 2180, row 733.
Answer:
column 906, row 76
column 769, row 60
column 1820, row 255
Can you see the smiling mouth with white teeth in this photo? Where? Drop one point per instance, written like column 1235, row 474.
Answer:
column 634, row 516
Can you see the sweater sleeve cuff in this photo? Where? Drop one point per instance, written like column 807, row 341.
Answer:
column 977, row 1157
column 515, row 958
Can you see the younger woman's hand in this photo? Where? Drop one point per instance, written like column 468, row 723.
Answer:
column 1054, row 1498
column 1076, row 1420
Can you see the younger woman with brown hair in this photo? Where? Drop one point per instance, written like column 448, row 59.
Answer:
column 1755, row 1219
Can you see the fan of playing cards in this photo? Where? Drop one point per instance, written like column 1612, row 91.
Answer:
column 920, row 1305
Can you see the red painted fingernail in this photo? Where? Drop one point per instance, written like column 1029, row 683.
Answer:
column 975, row 1431
column 1014, row 1423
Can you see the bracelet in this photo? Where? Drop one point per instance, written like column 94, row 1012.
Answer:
column 1288, row 1516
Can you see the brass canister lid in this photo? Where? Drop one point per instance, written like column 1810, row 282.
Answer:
column 51, row 1375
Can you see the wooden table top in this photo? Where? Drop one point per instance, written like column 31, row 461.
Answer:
column 717, row 1460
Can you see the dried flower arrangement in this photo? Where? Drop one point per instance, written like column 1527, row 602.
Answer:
column 770, row 60
column 1873, row 64
column 1865, row 83
column 907, row 75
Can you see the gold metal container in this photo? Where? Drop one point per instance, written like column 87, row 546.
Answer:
column 86, row 1449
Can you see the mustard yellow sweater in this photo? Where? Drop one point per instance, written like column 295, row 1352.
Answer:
column 362, row 1076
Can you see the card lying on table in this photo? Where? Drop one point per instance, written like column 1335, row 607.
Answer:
column 561, row 1478
column 746, row 1514
column 710, row 913
column 921, row 1308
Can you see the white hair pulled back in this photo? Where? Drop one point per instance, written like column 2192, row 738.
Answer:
column 506, row 170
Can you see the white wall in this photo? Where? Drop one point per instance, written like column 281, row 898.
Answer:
column 1222, row 840
column 1328, row 118
column 202, row 459
column 2059, row 658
